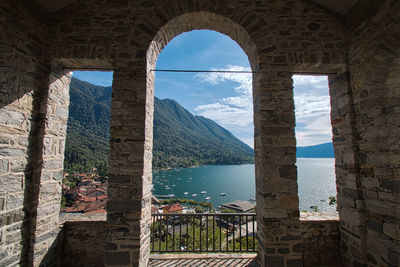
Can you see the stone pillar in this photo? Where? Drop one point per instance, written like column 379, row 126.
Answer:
column 45, row 196
column 130, row 163
column 15, row 140
column 349, row 194
column 276, row 174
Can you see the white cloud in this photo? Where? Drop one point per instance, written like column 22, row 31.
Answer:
column 312, row 101
column 235, row 111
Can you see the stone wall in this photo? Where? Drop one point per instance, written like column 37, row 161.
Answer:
column 23, row 69
column 374, row 190
column 33, row 117
column 320, row 239
column 53, row 135
column 280, row 38
column 84, row 243
column 84, row 240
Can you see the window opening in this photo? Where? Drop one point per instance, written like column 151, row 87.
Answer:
column 84, row 188
column 315, row 158
column 203, row 164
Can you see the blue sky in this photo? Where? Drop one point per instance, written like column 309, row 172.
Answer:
column 227, row 98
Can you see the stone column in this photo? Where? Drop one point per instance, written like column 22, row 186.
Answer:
column 45, row 195
column 349, row 194
column 276, row 174
column 130, row 163
column 15, row 143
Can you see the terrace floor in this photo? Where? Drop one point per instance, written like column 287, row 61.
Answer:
column 198, row 260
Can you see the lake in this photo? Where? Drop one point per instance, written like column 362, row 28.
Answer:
column 316, row 179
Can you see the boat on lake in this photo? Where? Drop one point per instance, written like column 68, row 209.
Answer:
column 203, row 192
column 186, row 193
column 194, row 195
column 208, row 198
column 223, row 194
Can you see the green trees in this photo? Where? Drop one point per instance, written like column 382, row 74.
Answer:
column 193, row 233
column 194, row 237
column 180, row 138
column 206, row 205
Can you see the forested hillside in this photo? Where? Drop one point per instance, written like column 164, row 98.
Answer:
column 180, row 138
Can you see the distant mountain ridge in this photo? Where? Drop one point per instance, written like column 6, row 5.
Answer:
column 180, row 138
column 317, row 151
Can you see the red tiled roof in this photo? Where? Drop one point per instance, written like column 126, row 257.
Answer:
column 173, row 207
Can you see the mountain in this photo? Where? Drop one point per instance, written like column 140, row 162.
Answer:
column 180, row 138
column 88, row 129
column 318, row 151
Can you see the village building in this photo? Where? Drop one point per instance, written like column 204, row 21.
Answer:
column 239, row 206
column 173, row 208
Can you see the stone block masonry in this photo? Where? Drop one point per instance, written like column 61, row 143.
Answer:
column 359, row 51
column 23, row 76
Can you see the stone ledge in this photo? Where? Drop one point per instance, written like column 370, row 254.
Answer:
column 319, row 216
column 84, row 217
column 304, row 216
column 204, row 256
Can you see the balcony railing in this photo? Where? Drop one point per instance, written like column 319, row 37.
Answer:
column 203, row 232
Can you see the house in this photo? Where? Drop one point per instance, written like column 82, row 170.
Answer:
column 173, row 208
column 239, row 206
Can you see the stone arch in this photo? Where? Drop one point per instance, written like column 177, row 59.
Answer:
column 275, row 145
column 198, row 21
column 201, row 21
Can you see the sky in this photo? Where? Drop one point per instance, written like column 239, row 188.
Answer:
column 227, row 97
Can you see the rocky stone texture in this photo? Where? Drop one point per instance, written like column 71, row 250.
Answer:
column 51, row 173
column 376, row 101
column 84, row 241
column 279, row 38
column 367, row 158
column 320, row 239
column 23, row 76
column 359, row 52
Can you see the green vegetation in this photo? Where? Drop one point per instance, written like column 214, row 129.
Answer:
column 161, row 239
column 332, row 200
column 207, row 205
column 186, row 241
column 180, row 138
column 252, row 243
column 88, row 130
column 71, row 181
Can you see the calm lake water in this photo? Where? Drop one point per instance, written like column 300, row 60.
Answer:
column 316, row 179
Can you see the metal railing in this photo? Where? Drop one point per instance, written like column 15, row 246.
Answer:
column 203, row 232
